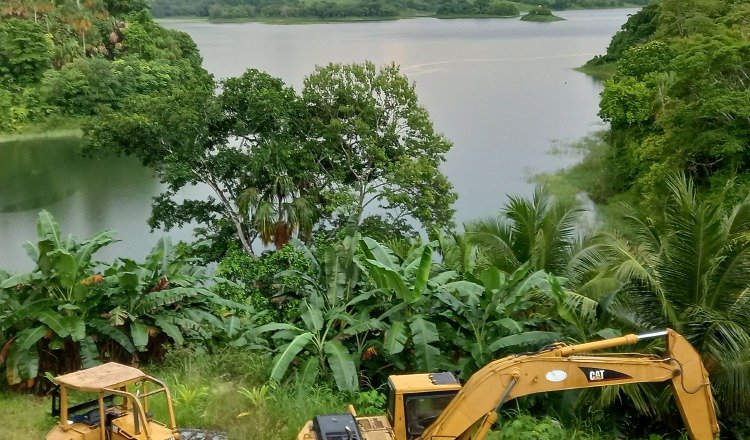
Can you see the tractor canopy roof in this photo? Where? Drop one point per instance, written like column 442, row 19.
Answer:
column 109, row 375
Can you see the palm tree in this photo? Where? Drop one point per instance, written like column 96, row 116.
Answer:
column 545, row 234
column 541, row 232
column 691, row 274
column 278, row 212
column 82, row 25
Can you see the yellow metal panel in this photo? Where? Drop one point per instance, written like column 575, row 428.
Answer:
column 125, row 428
column 417, row 383
column 75, row 431
column 375, row 428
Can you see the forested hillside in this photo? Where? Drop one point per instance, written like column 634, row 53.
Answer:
column 680, row 100
column 60, row 60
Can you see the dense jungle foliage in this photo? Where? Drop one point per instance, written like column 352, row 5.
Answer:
column 63, row 60
column 363, row 272
column 679, row 102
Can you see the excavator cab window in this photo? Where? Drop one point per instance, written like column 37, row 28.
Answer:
column 423, row 409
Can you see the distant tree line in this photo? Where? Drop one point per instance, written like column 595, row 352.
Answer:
column 478, row 7
column 326, row 9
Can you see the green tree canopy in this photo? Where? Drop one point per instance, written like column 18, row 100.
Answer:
column 25, row 51
column 377, row 144
column 679, row 102
column 275, row 163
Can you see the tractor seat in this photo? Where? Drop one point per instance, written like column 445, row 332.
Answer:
column 90, row 418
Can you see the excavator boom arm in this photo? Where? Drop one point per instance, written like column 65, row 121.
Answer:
column 562, row 368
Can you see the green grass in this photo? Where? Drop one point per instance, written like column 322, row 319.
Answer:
column 24, row 417
column 583, row 176
column 588, row 176
column 228, row 391
column 601, row 72
column 49, row 134
column 523, row 426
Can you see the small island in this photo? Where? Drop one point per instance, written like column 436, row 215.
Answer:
column 541, row 14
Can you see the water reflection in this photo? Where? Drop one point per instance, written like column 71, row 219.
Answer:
column 84, row 195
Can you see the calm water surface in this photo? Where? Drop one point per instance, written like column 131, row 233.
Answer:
column 502, row 90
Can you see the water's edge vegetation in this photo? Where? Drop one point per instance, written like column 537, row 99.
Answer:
column 345, row 298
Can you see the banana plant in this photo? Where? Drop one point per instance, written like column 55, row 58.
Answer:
column 336, row 320
column 407, row 284
column 70, row 308
column 168, row 293
column 495, row 313
column 336, row 275
column 319, row 345
column 55, row 304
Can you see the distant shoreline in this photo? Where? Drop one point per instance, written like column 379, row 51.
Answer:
column 312, row 20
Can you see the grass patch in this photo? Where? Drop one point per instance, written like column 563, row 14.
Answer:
column 24, row 417
column 228, row 391
column 587, row 177
column 523, row 426
column 49, row 134
column 601, row 71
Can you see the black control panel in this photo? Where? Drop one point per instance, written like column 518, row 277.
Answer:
column 336, row 427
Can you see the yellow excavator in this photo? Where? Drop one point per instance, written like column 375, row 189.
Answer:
column 437, row 407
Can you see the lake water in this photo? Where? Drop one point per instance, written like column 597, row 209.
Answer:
column 502, row 90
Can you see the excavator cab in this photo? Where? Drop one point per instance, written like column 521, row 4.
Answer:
column 415, row 401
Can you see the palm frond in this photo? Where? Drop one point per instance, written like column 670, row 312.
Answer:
column 494, row 239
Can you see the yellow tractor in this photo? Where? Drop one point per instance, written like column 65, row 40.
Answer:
column 437, row 407
column 120, row 410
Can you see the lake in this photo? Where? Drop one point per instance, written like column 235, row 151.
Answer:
column 502, row 90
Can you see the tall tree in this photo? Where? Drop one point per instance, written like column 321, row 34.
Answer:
column 376, row 144
column 193, row 137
